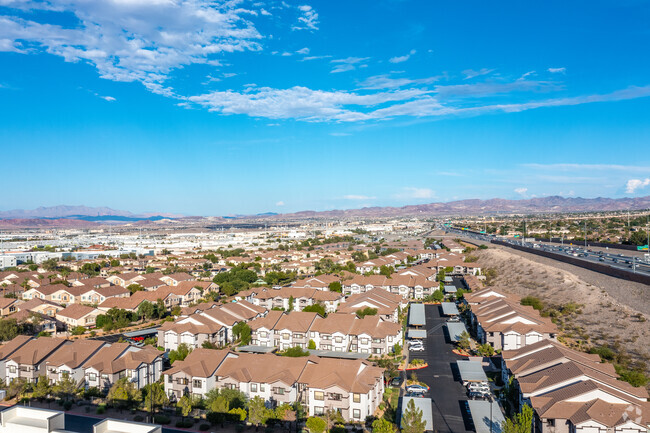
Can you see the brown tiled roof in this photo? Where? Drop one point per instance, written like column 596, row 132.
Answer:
column 76, row 311
column 36, row 350
column 74, row 353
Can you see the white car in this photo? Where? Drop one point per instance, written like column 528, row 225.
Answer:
column 478, row 386
column 416, row 348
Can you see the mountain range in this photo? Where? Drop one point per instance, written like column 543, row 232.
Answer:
column 80, row 215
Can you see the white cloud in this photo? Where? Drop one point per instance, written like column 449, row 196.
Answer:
column 470, row 73
column 316, row 57
column 386, row 82
column 280, row 203
column 348, row 64
column 133, row 41
column 308, row 19
column 108, row 98
column 303, row 51
column 301, row 103
column 522, row 191
column 633, row 184
column 400, row 59
column 416, row 193
column 265, row 12
column 358, row 197
column 527, row 74
column 557, row 70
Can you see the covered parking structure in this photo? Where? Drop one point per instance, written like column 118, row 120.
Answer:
column 455, row 330
column 421, row 403
column 450, row 289
column 449, row 309
column 418, row 334
column 416, row 316
column 471, row 371
column 486, row 416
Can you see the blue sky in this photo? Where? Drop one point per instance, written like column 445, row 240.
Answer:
column 214, row 108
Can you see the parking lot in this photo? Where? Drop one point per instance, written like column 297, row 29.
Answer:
column 450, row 412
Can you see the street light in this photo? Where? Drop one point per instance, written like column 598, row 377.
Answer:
column 491, row 400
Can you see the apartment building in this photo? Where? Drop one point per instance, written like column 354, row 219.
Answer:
column 388, row 305
column 141, row 365
column 321, row 282
column 69, row 358
column 571, row 391
column 28, row 361
column 354, row 387
column 78, row 315
column 407, row 286
column 211, row 322
column 282, row 297
column 337, row 332
column 505, row 324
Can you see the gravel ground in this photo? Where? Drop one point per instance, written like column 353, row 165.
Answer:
column 612, row 310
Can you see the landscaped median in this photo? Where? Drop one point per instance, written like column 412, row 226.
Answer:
column 415, row 364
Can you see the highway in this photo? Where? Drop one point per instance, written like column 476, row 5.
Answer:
column 627, row 263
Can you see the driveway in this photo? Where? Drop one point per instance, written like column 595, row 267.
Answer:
column 448, row 396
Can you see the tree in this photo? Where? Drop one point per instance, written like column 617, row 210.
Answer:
column 134, row 288
column 8, row 329
column 124, row 393
column 520, row 423
column 316, row 308
column 485, row 349
column 239, row 412
column 291, row 300
column 185, row 405
column 463, row 341
column 368, row 311
column 412, row 421
column 335, row 286
column 65, row 387
column 438, row 296
column 91, row 269
column 180, row 353
column 397, row 349
column 315, row 424
column 242, row 332
column 78, row 330
column 311, row 345
column 146, row 310
column 386, row 270
column 295, row 352
column 155, row 396
column 160, row 309
column 257, row 413
column 50, row 265
column 42, row 388
column 380, row 425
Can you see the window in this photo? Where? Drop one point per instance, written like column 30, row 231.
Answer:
column 286, row 336
column 356, row 413
column 356, row 398
column 105, row 377
column 12, row 369
column 334, row 396
column 262, row 387
column 376, row 340
column 297, row 335
column 279, row 391
column 170, row 379
column 253, row 387
column 376, row 350
column 364, row 341
column 92, row 377
column 319, row 395
column 319, row 410
column 338, row 339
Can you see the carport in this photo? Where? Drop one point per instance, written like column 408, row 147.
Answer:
column 450, row 289
column 486, row 421
column 449, row 309
column 455, row 329
column 424, row 404
column 418, row 334
column 416, row 315
column 471, row 371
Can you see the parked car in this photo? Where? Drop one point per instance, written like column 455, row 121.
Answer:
column 415, row 343
column 396, row 381
column 477, row 394
column 478, row 386
column 417, row 389
column 416, row 348
column 454, row 319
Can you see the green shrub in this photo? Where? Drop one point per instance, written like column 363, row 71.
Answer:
column 204, row 427
column 161, row 419
column 138, row 418
column 67, row 405
column 101, row 409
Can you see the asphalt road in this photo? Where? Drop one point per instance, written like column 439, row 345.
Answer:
column 448, row 396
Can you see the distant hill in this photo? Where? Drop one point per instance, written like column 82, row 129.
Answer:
column 82, row 213
column 493, row 206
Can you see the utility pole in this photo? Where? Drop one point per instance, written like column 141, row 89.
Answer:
column 585, row 233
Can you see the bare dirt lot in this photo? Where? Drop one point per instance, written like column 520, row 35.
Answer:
column 609, row 310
